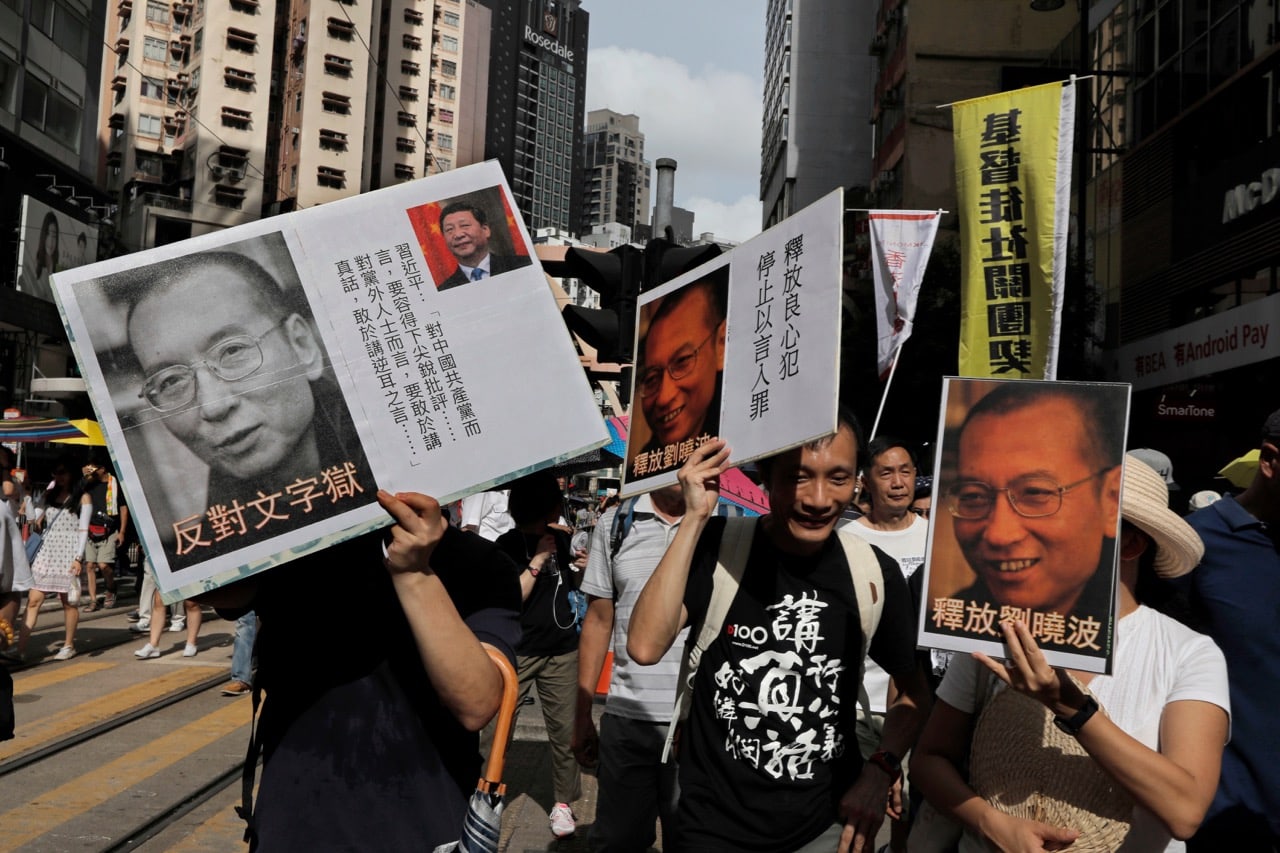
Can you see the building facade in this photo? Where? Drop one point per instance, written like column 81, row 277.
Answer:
column 536, row 105
column 616, row 172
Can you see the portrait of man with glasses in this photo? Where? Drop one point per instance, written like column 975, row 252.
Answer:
column 1028, row 510
column 226, row 357
column 679, row 374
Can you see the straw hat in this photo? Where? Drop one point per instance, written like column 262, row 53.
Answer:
column 1144, row 501
column 1024, row 766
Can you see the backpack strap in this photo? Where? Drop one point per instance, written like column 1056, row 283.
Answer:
column 868, row 589
column 623, row 517
column 731, row 562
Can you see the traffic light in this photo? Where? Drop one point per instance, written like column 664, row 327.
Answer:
column 616, row 276
column 665, row 260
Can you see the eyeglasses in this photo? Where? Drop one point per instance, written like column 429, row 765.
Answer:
column 230, row 359
column 678, row 368
column 1030, row 497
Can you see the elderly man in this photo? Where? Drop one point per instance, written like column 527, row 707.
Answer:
column 1234, row 593
column 237, row 374
column 1036, row 498
column 679, row 376
column 466, row 232
column 767, row 758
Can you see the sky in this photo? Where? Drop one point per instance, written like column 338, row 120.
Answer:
column 692, row 71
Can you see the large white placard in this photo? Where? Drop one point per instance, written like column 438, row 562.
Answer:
column 257, row 386
column 746, row 347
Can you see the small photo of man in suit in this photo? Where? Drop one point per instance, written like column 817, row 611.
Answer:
column 466, row 231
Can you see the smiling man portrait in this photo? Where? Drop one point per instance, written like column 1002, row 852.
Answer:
column 1034, row 501
column 680, row 368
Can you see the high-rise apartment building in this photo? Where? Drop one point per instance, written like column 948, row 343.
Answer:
column 615, row 170
column 537, row 105
column 220, row 109
column 818, row 77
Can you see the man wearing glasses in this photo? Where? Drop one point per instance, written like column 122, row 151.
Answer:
column 1035, row 503
column 679, row 376
column 236, row 372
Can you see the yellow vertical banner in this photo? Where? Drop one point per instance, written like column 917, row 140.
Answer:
column 1013, row 177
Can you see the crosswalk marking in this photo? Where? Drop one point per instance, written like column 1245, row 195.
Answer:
column 36, row 734
column 45, row 677
column 213, row 835
column 52, row 808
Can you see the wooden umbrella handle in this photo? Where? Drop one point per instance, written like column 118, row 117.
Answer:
column 506, row 715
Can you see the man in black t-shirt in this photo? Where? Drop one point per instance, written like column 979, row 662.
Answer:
column 768, row 760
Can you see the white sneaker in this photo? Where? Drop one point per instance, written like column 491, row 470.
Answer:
column 147, row 651
column 190, row 650
column 562, row 824
column 140, row 627
column 65, row 653
column 177, row 627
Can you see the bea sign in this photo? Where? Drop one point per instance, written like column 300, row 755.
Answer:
column 539, row 40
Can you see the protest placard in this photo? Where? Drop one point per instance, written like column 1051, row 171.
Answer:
column 1026, row 516
column 258, row 385
column 745, row 347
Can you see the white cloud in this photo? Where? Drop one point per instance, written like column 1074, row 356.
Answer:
column 707, row 120
column 738, row 221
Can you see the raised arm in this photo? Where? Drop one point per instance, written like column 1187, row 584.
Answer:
column 459, row 668
column 659, row 613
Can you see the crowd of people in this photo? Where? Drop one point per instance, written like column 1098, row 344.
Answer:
column 766, row 692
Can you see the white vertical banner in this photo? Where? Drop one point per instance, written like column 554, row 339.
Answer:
column 901, row 241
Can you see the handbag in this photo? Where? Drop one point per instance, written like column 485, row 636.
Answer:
column 73, row 592
column 33, row 543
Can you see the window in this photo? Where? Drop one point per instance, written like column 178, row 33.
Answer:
column 449, row 43
column 413, row 69
column 327, row 176
column 232, row 117
column 65, row 27
column 448, row 92
column 332, row 102
column 153, row 88
column 333, row 140
column 158, row 12
column 406, row 119
column 154, row 48
column 148, row 163
column 225, row 196
column 449, row 68
column 236, row 78
column 405, row 145
column 234, row 160
column 446, row 116
column 241, row 40
column 443, row 164
column 444, row 141
column 148, row 125
column 293, row 177
column 49, row 112
column 404, row 171
column 408, row 93
column 341, row 28
column 248, row 7
column 451, row 18
column 412, row 16
column 339, row 66
column 412, row 42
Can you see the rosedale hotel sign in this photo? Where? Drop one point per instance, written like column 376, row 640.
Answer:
column 539, row 40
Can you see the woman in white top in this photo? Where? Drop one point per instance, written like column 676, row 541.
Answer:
column 1164, row 709
column 58, row 563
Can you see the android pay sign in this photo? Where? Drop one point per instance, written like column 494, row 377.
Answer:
column 539, row 40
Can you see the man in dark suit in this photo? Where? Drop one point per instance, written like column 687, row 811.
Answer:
column 466, row 232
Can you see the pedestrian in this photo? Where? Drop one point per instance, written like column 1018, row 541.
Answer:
column 547, row 655
column 57, row 566
column 241, row 682
column 192, row 622
column 1133, row 778
column 1233, row 597
column 634, row 786
column 767, row 757
column 373, row 745
column 106, row 531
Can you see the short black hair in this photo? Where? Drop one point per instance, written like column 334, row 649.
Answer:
column 133, row 287
column 464, row 207
column 884, row 443
column 1100, row 410
column 845, row 419
column 709, row 286
column 533, row 497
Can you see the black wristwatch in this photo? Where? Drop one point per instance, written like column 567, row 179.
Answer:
column 889, row 763
column 1073, row 724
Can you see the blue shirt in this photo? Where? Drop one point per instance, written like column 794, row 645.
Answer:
column 1236, row 591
